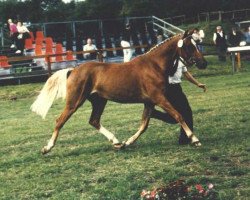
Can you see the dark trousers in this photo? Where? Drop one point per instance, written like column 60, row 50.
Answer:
column 13, row 38
column 20, row 44
column 221, row 51
column 180, row 102
column 91, row 56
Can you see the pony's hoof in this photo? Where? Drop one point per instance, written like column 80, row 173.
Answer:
column 119, row 146
column 44, row 150
column 197, row 144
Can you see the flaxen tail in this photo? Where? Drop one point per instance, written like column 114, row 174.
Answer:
column 54, row 88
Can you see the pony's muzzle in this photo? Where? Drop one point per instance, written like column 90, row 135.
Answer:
column 201, row 64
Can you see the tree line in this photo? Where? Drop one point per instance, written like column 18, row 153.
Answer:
column 36, row 11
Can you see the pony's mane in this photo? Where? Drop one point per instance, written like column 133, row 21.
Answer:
column 163, row 42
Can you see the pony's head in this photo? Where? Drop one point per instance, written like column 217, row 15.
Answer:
column 188, row 51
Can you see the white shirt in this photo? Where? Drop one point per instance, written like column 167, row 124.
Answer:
column 202, row 34
column 88, row 47
column 198, row 36
column 22, row 29
column 176, row 78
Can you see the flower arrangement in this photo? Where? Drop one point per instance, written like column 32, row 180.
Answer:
column 179, row 190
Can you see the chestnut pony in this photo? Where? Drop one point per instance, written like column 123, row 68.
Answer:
column 142, row 80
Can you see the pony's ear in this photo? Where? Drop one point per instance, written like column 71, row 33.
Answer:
column 185, row 34
column 188, row 33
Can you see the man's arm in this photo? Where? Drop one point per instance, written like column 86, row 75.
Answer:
column 191, row 79
column 214, row 38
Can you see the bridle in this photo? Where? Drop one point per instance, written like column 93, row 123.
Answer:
column 190, row 61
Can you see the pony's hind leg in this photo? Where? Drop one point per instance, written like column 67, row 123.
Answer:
column 59, row 124
column 72, row 104
column 98, row 105
column 144, row 125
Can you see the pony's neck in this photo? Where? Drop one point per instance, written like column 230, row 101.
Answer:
column 165, row 53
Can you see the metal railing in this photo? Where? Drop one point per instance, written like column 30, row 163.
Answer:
column 165, row 26
column 32, row 71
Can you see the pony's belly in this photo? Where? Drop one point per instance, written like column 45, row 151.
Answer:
column 129, row 100
column 120, row 97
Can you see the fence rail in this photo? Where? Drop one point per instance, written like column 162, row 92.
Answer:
column 47, row 57
column 234, row 15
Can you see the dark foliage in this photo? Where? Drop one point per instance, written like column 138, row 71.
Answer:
column 56, row 10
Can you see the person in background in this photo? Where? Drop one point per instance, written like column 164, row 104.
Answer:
column 247, row 36
column 235, row 37
column 179, row 101
column 89, row 47
column 13, row 33
column 220, row 42
column 23, row 34
column 198, row 36
column 159, row 36
column 125, row 42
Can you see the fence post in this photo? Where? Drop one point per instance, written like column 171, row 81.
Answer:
column 220, row 17
column 101, row 27
column 100, row 55
column 238, row 61
column 2, row 37
column 44, row 29
column 49, row 65
column 73, row 26
column 152, row 18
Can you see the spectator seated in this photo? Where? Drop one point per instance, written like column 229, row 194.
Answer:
column 4, row 65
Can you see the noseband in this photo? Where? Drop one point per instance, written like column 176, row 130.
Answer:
column 189, row 62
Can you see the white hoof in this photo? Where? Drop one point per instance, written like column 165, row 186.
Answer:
column 197, row 144
column 119, row 146
column 45, row 150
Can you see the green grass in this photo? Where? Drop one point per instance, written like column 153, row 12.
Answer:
column 83, row 164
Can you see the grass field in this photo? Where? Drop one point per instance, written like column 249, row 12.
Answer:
column 84, row 165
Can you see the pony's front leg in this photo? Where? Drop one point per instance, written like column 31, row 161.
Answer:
column 144, row 125
column 165, row 105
